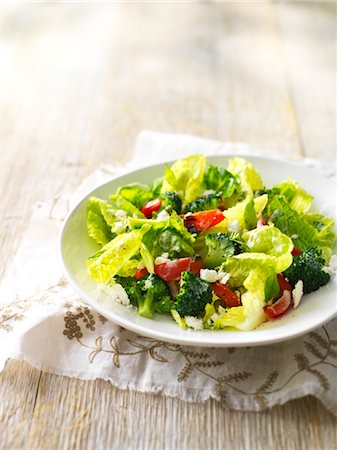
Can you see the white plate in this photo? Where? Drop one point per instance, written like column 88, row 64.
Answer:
column 314, row 310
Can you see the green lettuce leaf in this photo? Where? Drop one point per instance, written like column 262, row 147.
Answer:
column 220, row 180
column 111, row 259
column 185, row 177
column 249, row 215
column 100, row 217
column 156, row 186
column 136, row 193
column 270, row 241
column 241, row 217
column 166, row 236
column 260, row 283
column 121, row 203
column 292, row 224
column 297, row 198
column 249, row 178
column 129, row 268
column 240, row 266
column 325, row 228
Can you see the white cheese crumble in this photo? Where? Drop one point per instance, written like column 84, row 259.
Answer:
column 163, row 215
column 212, row 276
column 117, row 293
column 119, row 227
column 208, row 192
column 217, row 315
column 297, row 293
column 224, row 277
column 148, row 284
column 331, row 269
column 294, row 236
column 162, row 258
column 120, row 214
column 234, row 226
column 194, row 322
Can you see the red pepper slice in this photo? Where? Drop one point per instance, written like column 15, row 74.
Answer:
column 280, row 307
column 226, row 294
column 141, row 273
column 203, row 220
column 283, row 283
column 296, row 251
column 171, row 270
column 150, row 207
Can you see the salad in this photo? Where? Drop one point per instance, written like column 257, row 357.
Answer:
column 210, row 246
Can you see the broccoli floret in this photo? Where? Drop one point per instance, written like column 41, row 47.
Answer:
column 149, row 294
column 171, row 201
column 156, row 296
column 193, row 295
column 210, row 201
column 218, row 247
column 308, row 267
column 132, row 288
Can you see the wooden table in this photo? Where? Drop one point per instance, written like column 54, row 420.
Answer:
column 81, row 81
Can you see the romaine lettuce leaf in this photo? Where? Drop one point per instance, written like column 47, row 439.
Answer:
column 129, row 268
column 136, row 193
column 156, row 186
column 121, row 203
column 240, row 217
column 249, row 215
column 245, row 172
column 240, row 266
column 270, row 241
column 298, row 198
column 292, row 224
column 166, row 236
column 325, row 228
column 180, row 320
column 113, row 256
column 261, row 284
column 185, row 177
column 99, row 220
column 220, row 180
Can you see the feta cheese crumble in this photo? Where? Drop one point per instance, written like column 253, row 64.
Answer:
column 331, row 269
column 120, row 214
column 162, row 258
column 234, row 226
column 297, row 293
column 224, row 277
column 163, row 215
column 119, row 227
column 194, row 322
column 212, row 276
column 217, row 315
column 148, row 284
column 117, row 293
column 208, row 192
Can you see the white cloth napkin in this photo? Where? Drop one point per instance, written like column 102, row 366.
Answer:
column 44, row 322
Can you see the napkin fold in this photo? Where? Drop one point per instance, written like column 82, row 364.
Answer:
column 44, row 322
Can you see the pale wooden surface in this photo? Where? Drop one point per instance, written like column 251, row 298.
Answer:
column 81, row 80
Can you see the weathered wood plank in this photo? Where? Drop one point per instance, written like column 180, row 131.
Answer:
column 97, row 415
column 308, row 31
column 18, row 390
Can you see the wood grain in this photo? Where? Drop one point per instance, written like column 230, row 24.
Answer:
column 80, row 81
